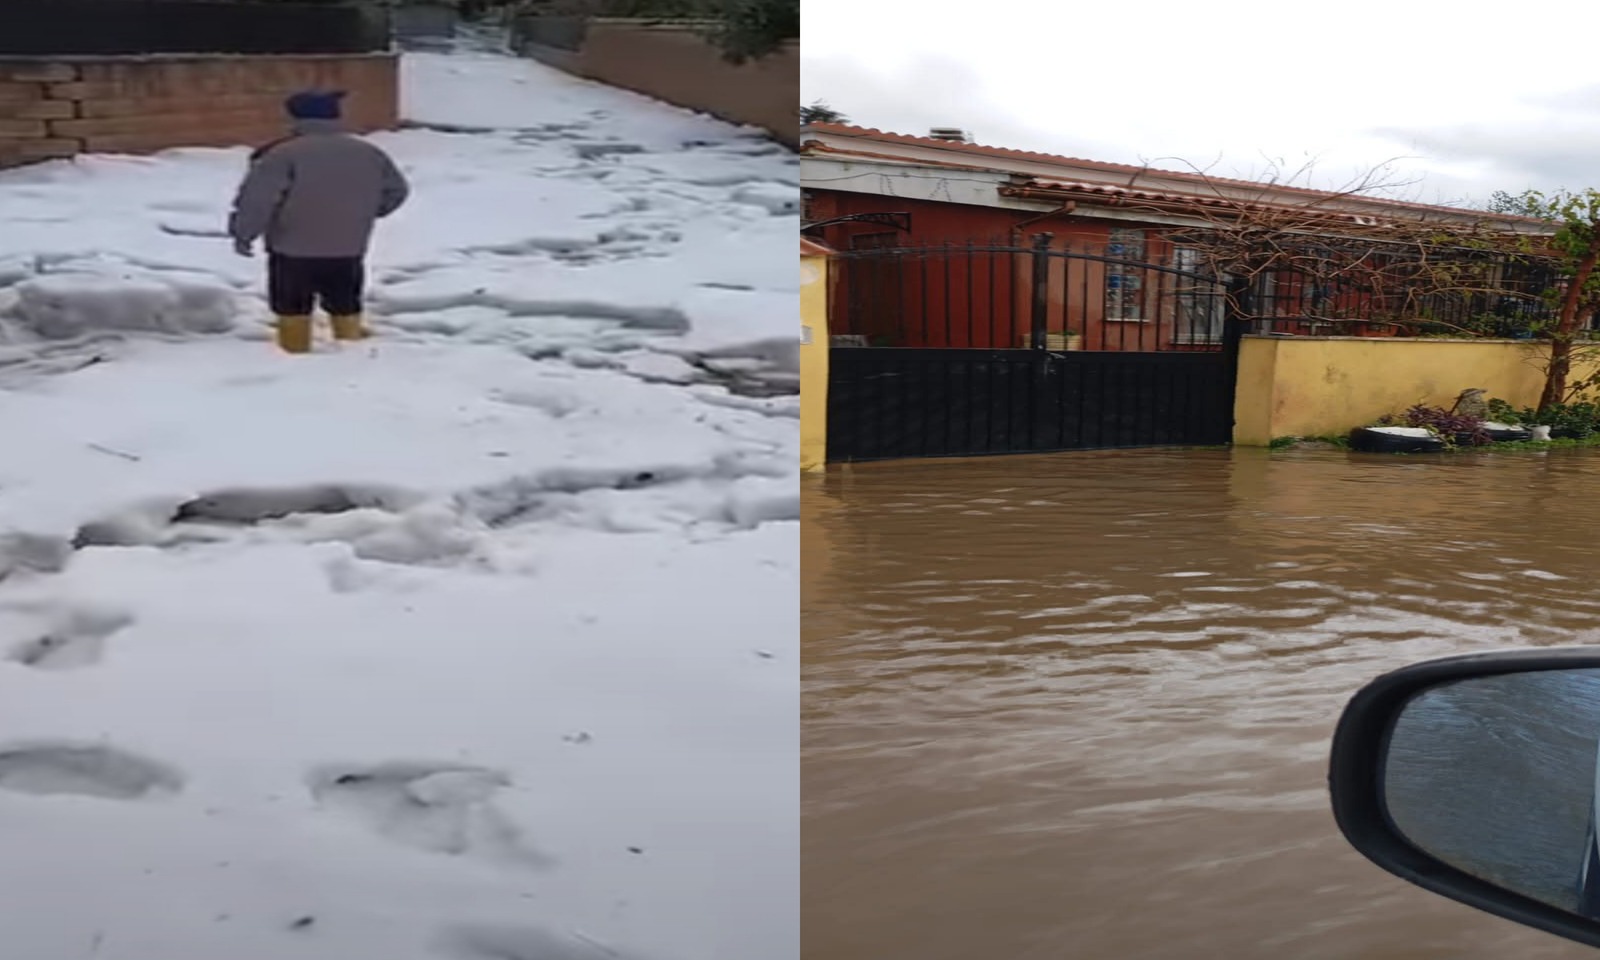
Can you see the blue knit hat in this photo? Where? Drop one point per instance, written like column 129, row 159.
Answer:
column 314, row 104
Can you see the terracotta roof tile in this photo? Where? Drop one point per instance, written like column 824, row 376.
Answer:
column 983, row 150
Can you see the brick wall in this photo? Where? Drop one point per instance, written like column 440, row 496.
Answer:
column 673, row 62
column 53, row 108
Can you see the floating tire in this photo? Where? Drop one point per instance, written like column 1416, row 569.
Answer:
column 1500, row 434
column 1394, row 440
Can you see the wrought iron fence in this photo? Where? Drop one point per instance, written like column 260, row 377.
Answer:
column 1155, row 295
column 999, row 296
column 1477, row 296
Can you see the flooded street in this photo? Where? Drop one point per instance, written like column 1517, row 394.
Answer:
column 1079, row 706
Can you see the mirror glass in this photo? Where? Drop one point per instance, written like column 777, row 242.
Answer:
column 1496, row 777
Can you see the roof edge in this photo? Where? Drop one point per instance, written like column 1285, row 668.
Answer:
column 980, row 150
column 813, row 248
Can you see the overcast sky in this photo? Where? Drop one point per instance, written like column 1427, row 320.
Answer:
column 1465, row 99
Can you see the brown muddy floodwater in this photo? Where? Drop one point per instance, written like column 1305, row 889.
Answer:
column 1079, row 706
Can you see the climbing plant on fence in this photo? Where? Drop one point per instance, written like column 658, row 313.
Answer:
column 1576, row 215
column 1334, row 259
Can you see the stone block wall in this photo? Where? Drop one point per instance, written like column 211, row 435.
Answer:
column 60, row 107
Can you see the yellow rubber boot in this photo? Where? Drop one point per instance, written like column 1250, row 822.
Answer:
column 294, row 334
column 349, row 327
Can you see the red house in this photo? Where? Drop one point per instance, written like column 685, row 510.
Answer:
column 948, row 243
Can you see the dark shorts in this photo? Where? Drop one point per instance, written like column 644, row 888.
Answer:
column 296, row 285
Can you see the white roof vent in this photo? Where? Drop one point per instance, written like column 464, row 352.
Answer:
column 953, row 134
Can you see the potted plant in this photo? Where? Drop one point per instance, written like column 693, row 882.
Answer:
column 1060, row 342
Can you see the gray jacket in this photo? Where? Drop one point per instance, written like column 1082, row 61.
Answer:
column 317, row 193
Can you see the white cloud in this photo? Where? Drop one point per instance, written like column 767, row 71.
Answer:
column 1472, row 100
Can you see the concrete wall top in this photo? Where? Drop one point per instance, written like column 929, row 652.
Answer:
column 1279, row 338
column 190, row 57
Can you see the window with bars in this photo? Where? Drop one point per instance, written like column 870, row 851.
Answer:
column 1198, row 311
column 1125, row 281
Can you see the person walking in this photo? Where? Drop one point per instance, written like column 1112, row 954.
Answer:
column 314, row 197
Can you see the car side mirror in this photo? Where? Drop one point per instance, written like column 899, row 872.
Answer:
column 1474, row 777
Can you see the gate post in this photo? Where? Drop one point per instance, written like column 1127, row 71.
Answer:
column 1041, row 290
column 1235, row 302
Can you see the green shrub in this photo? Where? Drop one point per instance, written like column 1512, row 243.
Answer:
column 751, row 29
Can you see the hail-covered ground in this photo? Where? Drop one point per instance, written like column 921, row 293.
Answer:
column 477, row 640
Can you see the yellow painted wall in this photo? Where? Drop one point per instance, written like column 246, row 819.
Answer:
column 1313, row 387
column 1252, row 395
column 813, row 362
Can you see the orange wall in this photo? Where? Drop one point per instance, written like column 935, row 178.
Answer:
column 926, row 303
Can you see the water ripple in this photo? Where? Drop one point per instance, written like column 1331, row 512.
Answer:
column 1080, row 705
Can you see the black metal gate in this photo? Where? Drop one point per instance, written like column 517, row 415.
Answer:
column 892, row 403
column 974, row 350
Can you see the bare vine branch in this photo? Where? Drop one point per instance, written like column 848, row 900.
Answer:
column 1347, row 256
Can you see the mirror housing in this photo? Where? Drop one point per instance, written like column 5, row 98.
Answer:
column 1358, row 769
